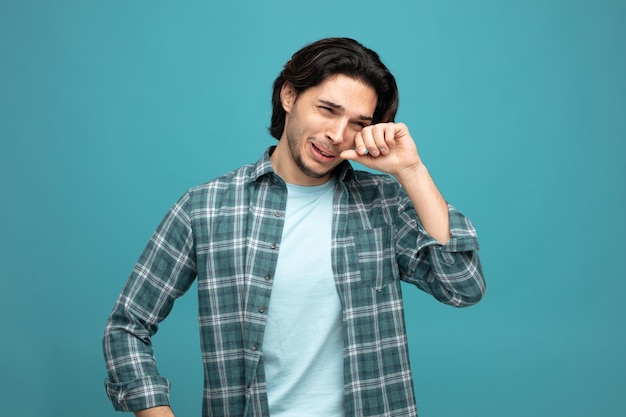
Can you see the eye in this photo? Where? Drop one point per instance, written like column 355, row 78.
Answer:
column 360, row 125
column 328, row 109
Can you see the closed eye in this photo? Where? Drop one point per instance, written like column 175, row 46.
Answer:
column 361, row 124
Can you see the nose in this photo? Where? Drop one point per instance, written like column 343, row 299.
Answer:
column 337, row 130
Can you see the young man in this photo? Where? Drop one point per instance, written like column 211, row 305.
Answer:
column 299, row 258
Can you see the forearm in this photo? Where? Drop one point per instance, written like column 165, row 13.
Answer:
column 452, row 272
column 155, row 412
column 429, row 204
column 455, row 278
column 164, row 271
column 133, row 381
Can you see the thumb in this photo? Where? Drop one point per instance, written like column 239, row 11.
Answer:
column 350, row 155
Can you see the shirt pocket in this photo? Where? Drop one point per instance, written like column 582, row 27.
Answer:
column 375, row 254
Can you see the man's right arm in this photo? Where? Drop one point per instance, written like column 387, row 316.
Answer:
column 155, row 412
column 164, row 272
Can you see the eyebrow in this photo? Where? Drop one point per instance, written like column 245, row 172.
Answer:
column 340, row 107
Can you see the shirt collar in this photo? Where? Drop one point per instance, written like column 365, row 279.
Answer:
column 263, row 166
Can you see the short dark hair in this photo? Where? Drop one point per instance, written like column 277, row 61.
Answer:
column 312, row 64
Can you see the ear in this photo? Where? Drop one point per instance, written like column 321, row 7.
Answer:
column 287, row 96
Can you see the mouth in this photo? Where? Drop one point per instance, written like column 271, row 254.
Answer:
column 323, row 152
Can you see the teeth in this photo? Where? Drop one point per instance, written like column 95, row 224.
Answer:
column 322, row 152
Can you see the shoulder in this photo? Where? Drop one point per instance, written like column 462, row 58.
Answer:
column 236, row 179
column 225, row 183
column 239, row 176
column 220, row 190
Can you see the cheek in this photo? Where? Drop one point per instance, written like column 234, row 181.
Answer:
column 293, row 128
column 299, row 125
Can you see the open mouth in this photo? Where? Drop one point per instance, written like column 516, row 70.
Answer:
column 322, row 152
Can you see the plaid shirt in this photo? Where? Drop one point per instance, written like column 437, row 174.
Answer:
column 227, row 234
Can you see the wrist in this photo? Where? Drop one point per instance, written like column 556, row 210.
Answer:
column 162, row 411
column 412, row 174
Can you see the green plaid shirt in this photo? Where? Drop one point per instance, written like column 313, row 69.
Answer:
column 227, row 234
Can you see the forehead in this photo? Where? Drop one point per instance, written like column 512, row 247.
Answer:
column 350, row 93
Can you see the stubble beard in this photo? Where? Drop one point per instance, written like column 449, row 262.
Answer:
column 296, row 155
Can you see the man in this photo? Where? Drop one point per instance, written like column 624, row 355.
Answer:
column 299, row 258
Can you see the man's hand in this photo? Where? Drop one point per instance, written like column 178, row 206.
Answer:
column 385, row 147
column 389, row 148
column 155, row 412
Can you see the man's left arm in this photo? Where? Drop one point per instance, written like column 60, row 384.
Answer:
column 452, row 272
column 389, row 148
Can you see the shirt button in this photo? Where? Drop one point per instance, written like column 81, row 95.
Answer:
column 278, row 214
column 268, row 277
column 254, row 346
column 273, row 246
column 262, row 309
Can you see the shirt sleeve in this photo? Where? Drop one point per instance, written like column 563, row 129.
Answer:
column 165, row 271
column 450, row 272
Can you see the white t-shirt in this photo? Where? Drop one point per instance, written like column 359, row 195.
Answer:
column 303, row 342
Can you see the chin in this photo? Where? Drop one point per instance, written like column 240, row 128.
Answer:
column 311, row 172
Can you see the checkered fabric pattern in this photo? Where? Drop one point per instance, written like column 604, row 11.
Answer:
column 227, row 234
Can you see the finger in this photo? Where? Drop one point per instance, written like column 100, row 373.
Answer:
column 379, row 135
column 350, row 154
column 365, row 143
column 390, row 135
column 359, row 144
column 374, row 140
column 383, row 138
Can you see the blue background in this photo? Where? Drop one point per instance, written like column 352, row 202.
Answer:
column 109, row 111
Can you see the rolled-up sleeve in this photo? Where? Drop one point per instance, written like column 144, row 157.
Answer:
column 139, row 394
column 164, row 272
column 451, row 272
